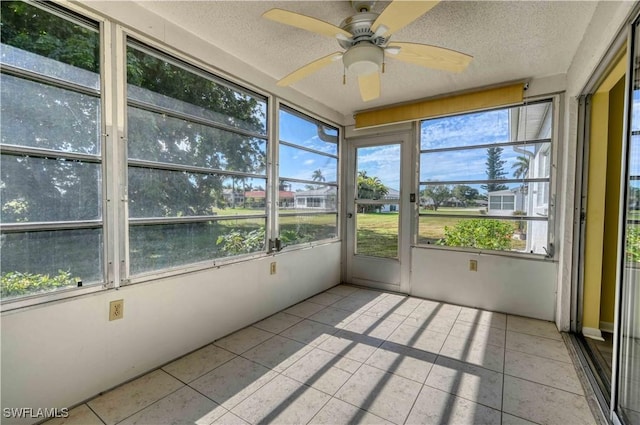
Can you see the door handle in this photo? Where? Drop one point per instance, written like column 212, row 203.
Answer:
column 349, row 215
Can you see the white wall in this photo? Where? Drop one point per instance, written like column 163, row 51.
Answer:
column 59, row 354
column 506, row 284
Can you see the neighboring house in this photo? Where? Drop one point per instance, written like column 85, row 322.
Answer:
column 258, row 198
column 392, row 195
column 233, row 198
column 325, row 198
column 506, row 202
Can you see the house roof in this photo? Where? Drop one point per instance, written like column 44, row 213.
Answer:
column 262, row 194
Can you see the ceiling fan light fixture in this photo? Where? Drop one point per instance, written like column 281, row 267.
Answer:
column 363, row 59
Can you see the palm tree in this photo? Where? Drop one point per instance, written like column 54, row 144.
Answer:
column 521, row 166
column 317, row 176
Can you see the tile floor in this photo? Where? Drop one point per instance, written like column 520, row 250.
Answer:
column 352, row 355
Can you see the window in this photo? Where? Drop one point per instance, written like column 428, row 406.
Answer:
column 197, row 149
column 484, row 179
column 50, row 151
column 308, row 156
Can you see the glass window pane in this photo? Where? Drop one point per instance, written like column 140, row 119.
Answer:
column 46, row 190
column 40, row 262
column 304, row 165
column 528, row 236
column 156, row 247
column 308, row 133
column 41, row 116
column 160, row 138
column 163, row 83
column 308, row 228
column 61, row 44
column 514, row 162
column 308, row 197
column 377, row 232
column 162, row 193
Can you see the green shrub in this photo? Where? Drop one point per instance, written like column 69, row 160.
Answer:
column 239, row 242
column 17, row 283
column 479, row 233
column 633, row 244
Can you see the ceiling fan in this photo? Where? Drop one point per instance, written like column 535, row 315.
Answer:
column 365, row 37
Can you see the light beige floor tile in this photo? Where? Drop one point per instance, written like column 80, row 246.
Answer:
column 438, row 407
column 351, row 345
column 244, row 339
column 508, row 419
column 304, row 309
column 355, row 304
column 278, row 322
column 318, row 359
column 185, row 406
column 372, row 326
column 234, row 381
column 393, row 317
column 383, row 394
column 309, row 332
column 394, row 304
column 325, row 378
column 134, row 396
column 80, row 415
column 442, row 324
column 198, row 363
column 338, row 412
column 474, row 383
column 342, row 290
column 483, row 317
column 404, row 361
column 325, row 298
column 545, row 371
column 277, row 353
column 429, row 308
column 422, row 339
column 479, row 333
column 282, row 401
column 539, row 346
column 230, row 419
column 334, row 317
column 543, row 404
column 533, row 327
column 477, row 353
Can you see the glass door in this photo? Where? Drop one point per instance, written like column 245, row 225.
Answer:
column 627, row 403
column 376, row 214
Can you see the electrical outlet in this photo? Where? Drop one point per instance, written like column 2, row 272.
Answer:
column 272, row 268
column 473, row 265
column 116, row 310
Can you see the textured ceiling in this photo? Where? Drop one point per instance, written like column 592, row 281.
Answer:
column 509, row 40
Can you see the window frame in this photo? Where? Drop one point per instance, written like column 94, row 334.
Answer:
column 95, row 22
column 551, row 182
column 304, row 114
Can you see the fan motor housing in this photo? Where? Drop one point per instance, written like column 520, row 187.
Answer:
column 360, row 26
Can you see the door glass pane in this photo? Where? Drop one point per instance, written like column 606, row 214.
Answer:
column 629, row 355
column 377, row 200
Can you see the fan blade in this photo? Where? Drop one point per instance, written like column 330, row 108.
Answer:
column 400, row 14
column 431, row 56
column 309, row 68
column 369, row 86
column 305, row 22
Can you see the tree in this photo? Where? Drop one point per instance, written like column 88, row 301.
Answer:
column 317, row 176
column 465, row 194
column 495, row 169
column 438, row 193
column 521, row 166
column 370, row 188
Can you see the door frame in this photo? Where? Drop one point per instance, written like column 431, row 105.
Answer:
column 405, row 227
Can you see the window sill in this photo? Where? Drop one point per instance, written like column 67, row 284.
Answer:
column 475, row 251
column 37, row 300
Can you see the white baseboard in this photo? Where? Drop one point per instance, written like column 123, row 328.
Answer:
column 592, row 333
column 606, row 327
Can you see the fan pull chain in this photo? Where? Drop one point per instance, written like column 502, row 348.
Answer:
column 344, row 77
column 383, row 64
